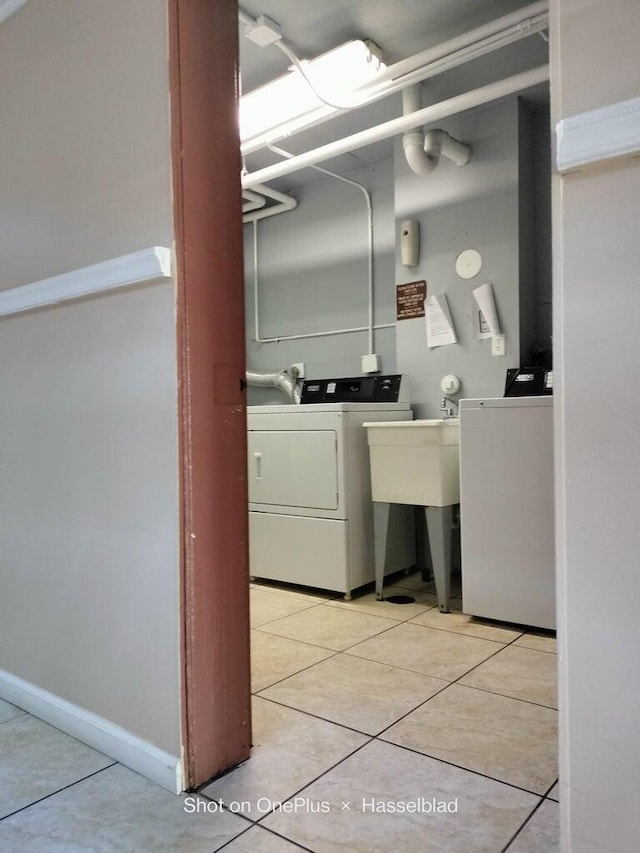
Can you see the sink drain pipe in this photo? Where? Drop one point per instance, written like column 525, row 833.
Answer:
column 423, row 151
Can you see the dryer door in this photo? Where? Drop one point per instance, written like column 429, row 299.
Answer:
column 293, row 468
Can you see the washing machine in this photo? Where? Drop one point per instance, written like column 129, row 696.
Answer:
column 310, row 508
column 507, row 509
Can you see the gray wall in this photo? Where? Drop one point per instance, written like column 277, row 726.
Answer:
column 542, row 225
column 313, row 265
column 88, row 444
column 313, row 277
column 470, row 207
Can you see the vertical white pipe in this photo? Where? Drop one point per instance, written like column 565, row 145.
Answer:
column 369, row 205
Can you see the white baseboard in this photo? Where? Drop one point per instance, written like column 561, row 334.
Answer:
column 112, row 740
column 598, row 135
column 125, row 271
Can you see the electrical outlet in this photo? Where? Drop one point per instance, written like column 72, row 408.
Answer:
column 300, row 367
column 498, row 345
column 371, row 363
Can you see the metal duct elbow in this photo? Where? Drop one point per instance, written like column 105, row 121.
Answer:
column 283, row 380
column 288, row 385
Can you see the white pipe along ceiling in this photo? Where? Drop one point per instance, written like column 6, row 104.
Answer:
column 431, row 62
column 422, row 151
column 427, row 115
column 253, row 211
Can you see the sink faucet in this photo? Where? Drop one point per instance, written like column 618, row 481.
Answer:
column 449, row 408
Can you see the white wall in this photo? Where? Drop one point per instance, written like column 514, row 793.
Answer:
column 596, row 311
column 88, row 444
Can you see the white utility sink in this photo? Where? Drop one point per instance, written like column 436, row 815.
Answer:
column 415, row 462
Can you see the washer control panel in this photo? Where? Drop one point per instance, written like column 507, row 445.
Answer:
column 359, row 389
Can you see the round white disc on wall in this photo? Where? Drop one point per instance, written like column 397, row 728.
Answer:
column 468, row 263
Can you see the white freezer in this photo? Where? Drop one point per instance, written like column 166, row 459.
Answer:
column 507, row 509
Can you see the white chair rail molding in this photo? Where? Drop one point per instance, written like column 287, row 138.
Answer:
column 147, row 265
column 598, row 135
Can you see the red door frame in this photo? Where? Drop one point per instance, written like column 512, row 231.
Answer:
column 203, row 63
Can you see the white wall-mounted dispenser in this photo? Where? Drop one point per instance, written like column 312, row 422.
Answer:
column 409, row 242
column 450, row 384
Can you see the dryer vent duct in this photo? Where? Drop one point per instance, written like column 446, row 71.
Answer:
column 422, row 151
column 284, row 380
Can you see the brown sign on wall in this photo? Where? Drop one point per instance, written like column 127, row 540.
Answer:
column 410, row 300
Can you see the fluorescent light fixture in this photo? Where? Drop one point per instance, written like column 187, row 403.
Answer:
column 289, row 103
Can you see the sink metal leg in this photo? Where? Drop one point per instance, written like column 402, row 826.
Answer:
column 439, row 520
column 381, row 512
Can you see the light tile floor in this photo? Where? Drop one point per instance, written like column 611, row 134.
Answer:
column 359, row 708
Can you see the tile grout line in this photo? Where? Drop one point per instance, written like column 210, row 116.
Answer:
column 292, row 640
column 293, row 593
column 462, row 634
column 402, row 669
column 461, row 767
column 473, row 668
column 315, row 717
column 235, row 838
column 371, row 738
column 410, row 621
column 522, row 630
column 17, row 717
column 353, row 645
column 399, row 668
column 455, row 681
column 378, row 737
column 534, row 649
column 297, row 672
column 264, row 829
column 524, row 823
column 277, row 619
column 320, row 775
column 58, row 791
column 505, row 696
column 435, row 758
column 348, row 651
column 296, row 844
column 547, row 797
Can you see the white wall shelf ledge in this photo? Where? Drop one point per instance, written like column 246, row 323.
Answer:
column 598, row 135
column 8, row 7
column 125, row 271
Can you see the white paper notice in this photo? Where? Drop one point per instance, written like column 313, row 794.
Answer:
column 440, row 329
column 487, row 304
column 482, row 327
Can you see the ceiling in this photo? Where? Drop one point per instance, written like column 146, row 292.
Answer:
column 401, row 28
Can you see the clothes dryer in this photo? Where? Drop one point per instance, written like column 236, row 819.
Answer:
column 310, row 508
